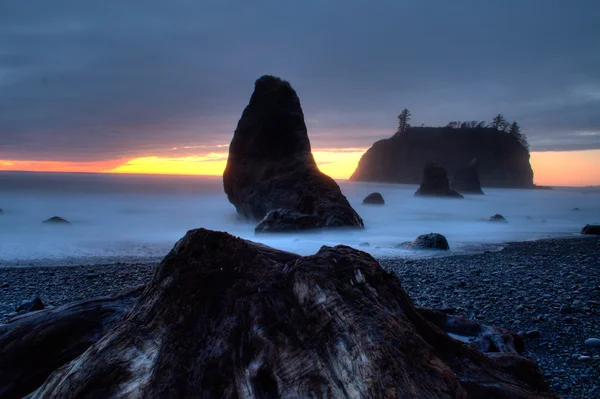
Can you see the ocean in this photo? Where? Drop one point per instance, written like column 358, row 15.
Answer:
column 134, row 218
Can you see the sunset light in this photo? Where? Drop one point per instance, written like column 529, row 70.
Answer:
column 567, row 168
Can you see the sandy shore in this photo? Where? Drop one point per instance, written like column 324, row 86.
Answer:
column 548, row 289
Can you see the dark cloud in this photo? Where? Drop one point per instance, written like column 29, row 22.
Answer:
column 82, row 80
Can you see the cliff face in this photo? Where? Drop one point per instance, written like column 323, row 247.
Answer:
column 502, row 160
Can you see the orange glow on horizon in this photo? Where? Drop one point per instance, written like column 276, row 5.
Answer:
column 567, row 168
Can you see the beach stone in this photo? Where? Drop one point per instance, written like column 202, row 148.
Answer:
column 532, row 333
column 583, row 357
column 430, row 241
column 270, row 167
column 594, row 342
column 435, row 183
column 593, row 229
column 30, row 306
column 373, row 199
column 497, row 218
column 56, row 220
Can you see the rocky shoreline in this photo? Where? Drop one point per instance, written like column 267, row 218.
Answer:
column 548, row 289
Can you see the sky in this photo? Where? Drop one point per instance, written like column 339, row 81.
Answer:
column 158, row 86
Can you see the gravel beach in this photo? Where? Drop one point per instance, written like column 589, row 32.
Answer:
column 547, row 289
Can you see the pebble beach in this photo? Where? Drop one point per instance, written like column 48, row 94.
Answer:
column 548, row 290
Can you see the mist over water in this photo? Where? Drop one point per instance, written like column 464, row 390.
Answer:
column 136, row 217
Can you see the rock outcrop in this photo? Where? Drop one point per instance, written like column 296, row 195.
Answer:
column 466, row 179
column 374, row 199
column 224, row 317
column 427, row 241
column 435, row 183
column 502, row 160
column 593, row 229
column 271, row 167
column 56, row 220
column 497, row 218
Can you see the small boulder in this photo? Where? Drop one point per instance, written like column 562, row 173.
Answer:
column 497, row 218
column 427, row 241
column 374, row 199
column 282, row 220
column 595, row 342
column 593, row 229
column 466, row 179
column 435, row 183
column 30, row 306
column 56, row 220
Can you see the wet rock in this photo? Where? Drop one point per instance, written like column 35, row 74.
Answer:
column 593, row 229
column 435, row 182
column 225, row 317
column 271, row 168
column 56, row 220
column 466, row 179
column 282, row 220
column 31, row 306
column 497, row 218
column 429, row 241
column 594, row 342
column 374, row 199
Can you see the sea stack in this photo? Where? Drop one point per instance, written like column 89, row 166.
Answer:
column 228, row 318
column 271, row 168
column 466, row 179
column 435, row 182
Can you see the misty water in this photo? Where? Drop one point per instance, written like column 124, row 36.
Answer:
column 132, row 217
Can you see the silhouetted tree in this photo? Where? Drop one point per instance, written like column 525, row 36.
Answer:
column 499, row 122
column 515, row 130
column 403, row 119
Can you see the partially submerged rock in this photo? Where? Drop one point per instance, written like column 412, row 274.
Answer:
column 435, row 182
column 497, row 218
column 271, row 167
column 466, row 179
column 31, row 306
column 427, row 241
column 282, row 220
column 56, row 220
column 225, row 317
column 34, row 345
column 593, row 229
column 374, row 199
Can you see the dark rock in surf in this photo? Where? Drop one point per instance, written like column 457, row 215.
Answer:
column 271, row 167
column 31, row 306
column 364, row 245
column 593, row 229
column 1, row 211
column 427, row 241
column 374, row 199
column 225, row 317
column 282, row 220
column 497, row 218
column 435, row 183
column 466, row 179
column 56, row 220
column 33, row 345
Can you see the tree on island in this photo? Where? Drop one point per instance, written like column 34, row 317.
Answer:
column 499, row 122
column 515, row 130
column 403, row 119
column 466, row 124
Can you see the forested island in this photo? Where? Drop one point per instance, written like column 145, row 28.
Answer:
column 500, row 149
